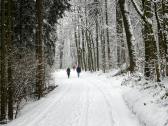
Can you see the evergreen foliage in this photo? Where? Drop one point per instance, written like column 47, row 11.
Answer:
column 25, row 56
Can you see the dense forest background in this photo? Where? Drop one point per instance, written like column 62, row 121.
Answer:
column 126, row 34
column 129, row 35
column 27, row 42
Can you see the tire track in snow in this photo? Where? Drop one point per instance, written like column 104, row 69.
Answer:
column 112, row 121
column 83, row 121
column 80, row 114
column 53, row 103
column 114, row 116
column 113, row 99
column 78, row 106
column 37, row 114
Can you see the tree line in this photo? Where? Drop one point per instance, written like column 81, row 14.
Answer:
column 27, row 50
column 127, row 34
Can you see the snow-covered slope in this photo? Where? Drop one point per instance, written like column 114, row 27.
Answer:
column 148, row 101
column 91, row 100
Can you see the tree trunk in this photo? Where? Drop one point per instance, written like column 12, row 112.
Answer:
column 61, row 55
column 39, row 51
column 151, row 59
column 94, row 54
column 9, row 48
column 120, row 37
column 77, row 47
column 164, row 5
column 88, row 50
column 129, row 34
column 20, row 28
column 97, row 44
column 3, row 83
column 103, row 48
column 107, row 35
column 91, row 48
column 83, row 50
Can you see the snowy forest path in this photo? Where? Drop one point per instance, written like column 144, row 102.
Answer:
column 90, row 100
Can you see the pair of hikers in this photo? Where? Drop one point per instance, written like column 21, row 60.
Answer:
column 78, row 70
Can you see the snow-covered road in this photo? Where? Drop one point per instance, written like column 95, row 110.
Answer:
column 90, row 100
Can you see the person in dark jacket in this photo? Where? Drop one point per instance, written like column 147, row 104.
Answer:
column 68, row 71
column 78, row 70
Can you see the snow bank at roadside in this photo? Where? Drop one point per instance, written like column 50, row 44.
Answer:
column 148, row 101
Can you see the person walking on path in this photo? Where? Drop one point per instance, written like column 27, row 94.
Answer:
column 74, row 67
column 68, row 71
column 78, row 70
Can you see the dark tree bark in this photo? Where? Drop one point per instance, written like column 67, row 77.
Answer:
column 129, row 35
column 120, row 37
column 151, row 61
column 88, row 50
column 164, row 5
column 77, row 48
column 9, row 48
column 97, row 44
column 39, row 51
column 103, row 48
column 20, row 27
column 3, row 83
column 97, row 35
column 83, row 50
column 91, row 51
column 150, row 44
column 107, row 35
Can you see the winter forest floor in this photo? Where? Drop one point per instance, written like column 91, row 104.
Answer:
column 91, row 100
